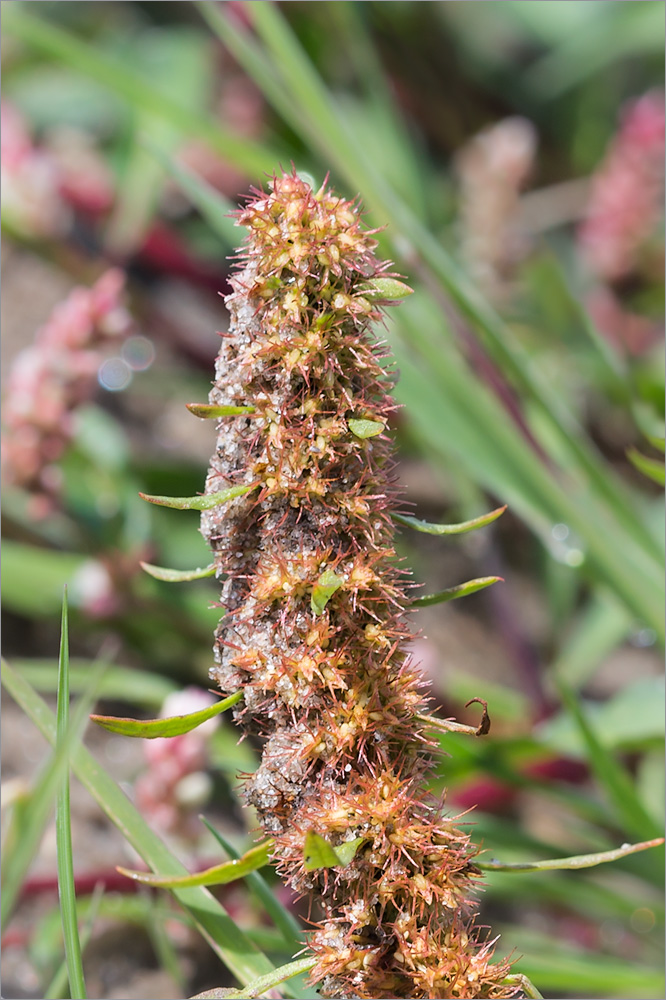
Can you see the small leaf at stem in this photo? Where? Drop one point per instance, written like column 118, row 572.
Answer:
column 177, row 575
column 385, row 289
column 208, row 411
column 323, row 590
column 572, row 863
column 449, row 529
column 365, row 428
column 176, row 725
column 206, row 502
column 318, row 853
column 217, row 875
column 452, row 593
column 653, row 468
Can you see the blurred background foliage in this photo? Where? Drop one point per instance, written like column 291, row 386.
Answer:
column 512, row 153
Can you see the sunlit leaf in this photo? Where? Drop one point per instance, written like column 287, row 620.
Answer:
column 452, row 593
column 449, row 529
column 217, row 875
column 206, row 502
column 152, row 729
column 323, row 590
column 318, row 853
column 365, row 428
column 208, row 411
column 653, row 468
column 177, row 575
column 385, row 289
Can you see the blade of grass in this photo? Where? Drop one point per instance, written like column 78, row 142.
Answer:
column 226, row 939
column 23, row 839
column 314, row 116
column 571, row 863
column 123, row 80
column 279, row 914
column 481, row 436
column 119, row 683
column 57, row 986
column 612, row 777
column 65, row 860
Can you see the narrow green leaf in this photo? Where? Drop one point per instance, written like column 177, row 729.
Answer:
column 449, row 529
column 657, row 442
column 65, row 861
column 226, row 939
column 261, row 985
column 452, row 593
column 323, row 590
column 206, row 502
column 365, row 428
column 217, row 875
column 136, row 88
column 318, row 853
column 385, row 289
column 283, row 918
column 58, row 985
column 653, row 468
column 176, row 725
column 208, row 411
column 617, row 783
column 571, row 863
column 177, row 575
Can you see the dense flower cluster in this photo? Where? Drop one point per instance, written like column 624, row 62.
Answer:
column 315, row 628
column 53, row 376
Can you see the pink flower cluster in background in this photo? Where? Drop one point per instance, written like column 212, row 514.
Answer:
column 54, row 376
column 43, row 184
column 625, row 208
column 493, row 167
column 175, row 784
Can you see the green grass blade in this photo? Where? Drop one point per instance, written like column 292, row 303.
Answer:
column 613, row 778
column 571, row 863
column 115, row 682
column 120, row 78
column 653, row 468
column 279, row 914
column 226, row 939
column 58, row 984
column 216, row 210
column 24, row 836
column 175, row 725
column 65, row 861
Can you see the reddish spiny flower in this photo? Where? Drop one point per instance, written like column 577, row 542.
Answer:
column 315, row 630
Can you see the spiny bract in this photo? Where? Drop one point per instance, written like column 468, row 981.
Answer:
column 315, row 631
